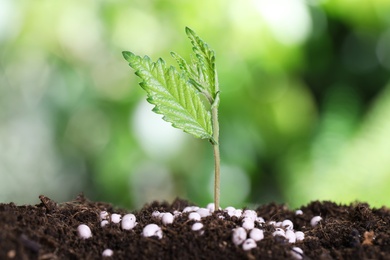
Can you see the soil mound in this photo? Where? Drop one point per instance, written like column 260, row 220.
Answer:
column 50, row 231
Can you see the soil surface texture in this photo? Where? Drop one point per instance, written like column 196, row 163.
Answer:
column 50, row 231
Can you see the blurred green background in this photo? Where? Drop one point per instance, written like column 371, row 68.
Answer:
column 304, row 113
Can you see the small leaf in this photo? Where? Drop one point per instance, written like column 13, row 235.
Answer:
column 172, row 95
column 204, row 64
column 188, row 70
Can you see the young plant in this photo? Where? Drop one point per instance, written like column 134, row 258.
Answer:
column 177, row 94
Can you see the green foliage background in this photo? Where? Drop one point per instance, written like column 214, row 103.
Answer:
column 304, row 113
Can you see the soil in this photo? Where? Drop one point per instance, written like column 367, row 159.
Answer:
column 49, row 231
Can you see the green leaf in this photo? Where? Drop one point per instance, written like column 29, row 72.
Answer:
column 172, row 95
column 203, row 70
column 188, row 71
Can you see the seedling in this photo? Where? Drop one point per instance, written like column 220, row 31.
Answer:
column 177, row 95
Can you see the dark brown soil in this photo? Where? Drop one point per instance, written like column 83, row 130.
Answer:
column 49, row 231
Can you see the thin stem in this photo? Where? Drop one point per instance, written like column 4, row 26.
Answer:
column 217, row 158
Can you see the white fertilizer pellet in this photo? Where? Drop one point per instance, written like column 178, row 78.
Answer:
column 197, row 226
column 190, row 209
column 156, row 214
column 107, row 252
column 176, row 213
column 167, row 218
column 152, row 230
column 298, row 212
column 287, row 224
column 84, row 231
column 230, row 208
column 249, row 244
column 211, row 207
column 290, row 235
column 248, row 223
column 256, row 234
column 203, row 212
column 129, row 217
column 187, row 209
column 279, row 232
column 272, row 223
column 194, row 216
column 115, row 218
column 239, row 236
column 299, row 235
column 315, row 220
column 104, row 215
column 296, row 252
column 236, row 213
column 104, row 223
column 251, row 214
column 260, row 220
column 128, row 222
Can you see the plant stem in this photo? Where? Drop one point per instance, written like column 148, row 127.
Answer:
column 217, row 158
